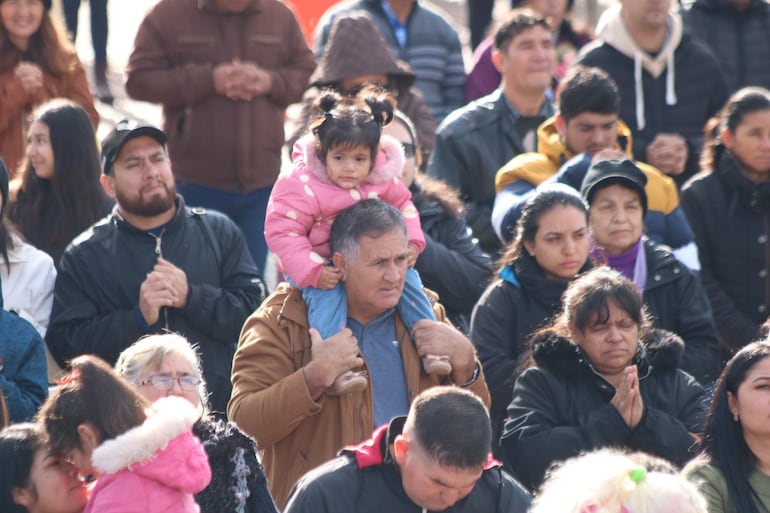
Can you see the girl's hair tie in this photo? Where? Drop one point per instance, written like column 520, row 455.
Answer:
column 637, row 474
column 69, row 378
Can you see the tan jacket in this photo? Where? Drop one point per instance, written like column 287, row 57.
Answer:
column 271, row 401
column 16, row 105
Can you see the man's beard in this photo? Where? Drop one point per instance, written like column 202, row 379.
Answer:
column 142, row 207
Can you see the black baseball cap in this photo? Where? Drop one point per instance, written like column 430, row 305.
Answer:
column 123, row 132
column 607, row 172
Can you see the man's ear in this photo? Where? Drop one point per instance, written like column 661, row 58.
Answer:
column 560, row 124
column 338, row 259
column 108, row 184
column 497, row 59
column 400, row 449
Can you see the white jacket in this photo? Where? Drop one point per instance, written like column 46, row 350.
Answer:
column 27, row 283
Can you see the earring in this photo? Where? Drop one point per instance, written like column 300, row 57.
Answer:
column 735, row 417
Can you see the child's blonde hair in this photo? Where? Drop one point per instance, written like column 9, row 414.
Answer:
column 608, row 481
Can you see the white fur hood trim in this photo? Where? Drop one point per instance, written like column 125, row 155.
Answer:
column 387, row 166
column 168, row 418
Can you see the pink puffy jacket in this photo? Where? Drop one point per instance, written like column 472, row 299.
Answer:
column 304, row 204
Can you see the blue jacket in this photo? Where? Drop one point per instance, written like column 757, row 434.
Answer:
column 23, row 371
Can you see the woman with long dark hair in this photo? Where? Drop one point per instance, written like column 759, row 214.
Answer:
column 550, row 248
column 59, row 194
column 37, row 63
column 728, row 206
column 733, row 472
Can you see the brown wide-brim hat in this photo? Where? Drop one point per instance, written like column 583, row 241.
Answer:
column 355, row 48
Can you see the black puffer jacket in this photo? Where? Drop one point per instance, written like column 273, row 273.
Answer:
column 508, row 312
column 675, row 298
column 452, row 263
column 561, row 407
column 730, row 217
column 365, row 478
column 739, row 39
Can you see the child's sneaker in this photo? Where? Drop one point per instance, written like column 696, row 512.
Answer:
column 348, row 382
column 436, row 364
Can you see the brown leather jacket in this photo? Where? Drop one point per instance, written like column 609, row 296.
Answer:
column 271, row 402
column 213, row 141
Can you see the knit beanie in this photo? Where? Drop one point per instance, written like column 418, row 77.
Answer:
column 356, row 48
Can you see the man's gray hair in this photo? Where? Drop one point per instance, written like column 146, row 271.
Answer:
column 370, row 218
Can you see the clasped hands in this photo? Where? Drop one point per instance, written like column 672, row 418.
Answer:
column 628, row 399
column 166, row 285
column 241, row 81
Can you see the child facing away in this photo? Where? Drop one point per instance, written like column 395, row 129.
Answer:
column 344, row 160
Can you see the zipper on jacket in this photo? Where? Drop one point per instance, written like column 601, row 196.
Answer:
column 159, row 253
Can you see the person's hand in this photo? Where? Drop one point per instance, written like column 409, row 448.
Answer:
column 608, row 154
column 225, row 82
column 627, row 399
column 30, row 75
column 176, row 281
column 412, row 255
column 252, row 81
column 330, row 277
column 438, row 338
column 154, row 294
column 330, row 358
column 668, row 152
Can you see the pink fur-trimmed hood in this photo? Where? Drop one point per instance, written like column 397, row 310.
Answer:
column 388, row 165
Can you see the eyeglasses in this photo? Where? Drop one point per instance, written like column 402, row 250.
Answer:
column 165, row 382
column 409, row 149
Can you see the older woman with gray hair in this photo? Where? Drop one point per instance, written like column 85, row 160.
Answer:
column 166, row 364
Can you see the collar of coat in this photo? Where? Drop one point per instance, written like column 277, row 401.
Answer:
column 167, row 418
column 387, row 165
column 376, row 450
column 659, row 351
column 211, row 5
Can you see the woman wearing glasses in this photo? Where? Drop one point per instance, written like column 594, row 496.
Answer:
column 165, row 365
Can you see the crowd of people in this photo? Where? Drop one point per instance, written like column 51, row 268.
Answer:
column 539, row 282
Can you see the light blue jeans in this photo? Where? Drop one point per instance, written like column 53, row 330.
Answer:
column 328, row 312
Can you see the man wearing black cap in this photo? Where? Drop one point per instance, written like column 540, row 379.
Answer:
column 153, row 265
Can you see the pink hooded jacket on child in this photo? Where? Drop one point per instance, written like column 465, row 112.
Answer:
column 152, row 468
column 304, row 204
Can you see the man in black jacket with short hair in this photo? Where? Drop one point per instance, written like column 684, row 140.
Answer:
column 437, row 458
column 153, row 265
